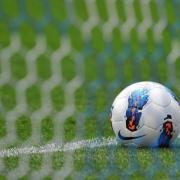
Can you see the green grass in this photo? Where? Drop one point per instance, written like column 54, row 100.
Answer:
column 3, row 130
column 43, row 67
column 33, row 98
column 47, row 129
column 107, row 68
column 58, row 9
column 68, row 68
column 79, row 5
column 5, row 38
column 11, row 162
column 76, row 38
column 69, row 129
column 23, row 128
column 18, row 67
column 35, row 162
column 27, row 35
column 57, row 160
column 8, row 97
column 51, row 33
column 58, row 98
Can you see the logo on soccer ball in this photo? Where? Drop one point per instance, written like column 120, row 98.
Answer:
column 167, row 132
column 127, row 137
column 136, row 102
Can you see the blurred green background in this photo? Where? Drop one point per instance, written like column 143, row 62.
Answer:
column 62, row 62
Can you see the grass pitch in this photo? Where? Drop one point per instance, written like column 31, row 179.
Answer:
column 107, row 68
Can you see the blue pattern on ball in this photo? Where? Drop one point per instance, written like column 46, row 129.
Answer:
column 136, row 102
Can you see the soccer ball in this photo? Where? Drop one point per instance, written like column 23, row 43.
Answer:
column 146, row 114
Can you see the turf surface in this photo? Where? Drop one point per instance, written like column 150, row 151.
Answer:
column 107, row 68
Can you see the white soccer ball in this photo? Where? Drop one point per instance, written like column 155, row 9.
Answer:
column 146, row 114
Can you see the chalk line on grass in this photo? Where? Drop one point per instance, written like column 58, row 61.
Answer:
column 93, row 143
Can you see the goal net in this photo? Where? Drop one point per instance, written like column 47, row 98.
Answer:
column 62, row 62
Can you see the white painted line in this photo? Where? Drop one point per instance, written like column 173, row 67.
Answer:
column 93, row 143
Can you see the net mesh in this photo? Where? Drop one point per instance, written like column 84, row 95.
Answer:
column 61, row 65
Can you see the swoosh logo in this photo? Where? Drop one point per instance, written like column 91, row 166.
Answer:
column 128, row 138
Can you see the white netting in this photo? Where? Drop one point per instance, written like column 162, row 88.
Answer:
column 105, row 28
